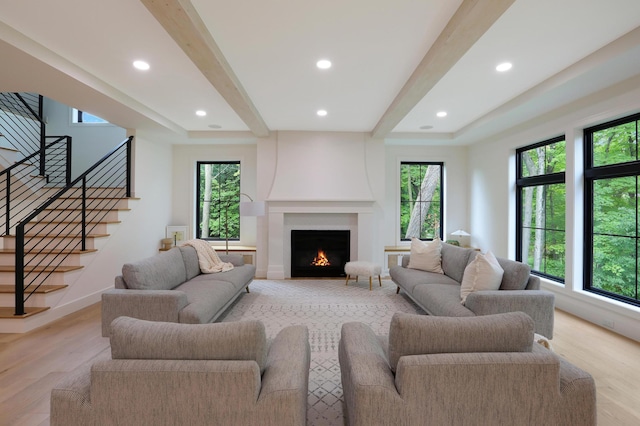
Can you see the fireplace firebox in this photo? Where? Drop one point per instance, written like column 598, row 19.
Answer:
column 319, row 253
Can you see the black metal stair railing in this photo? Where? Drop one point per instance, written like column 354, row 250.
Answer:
column 21, row 185
column 65, row 222
column 21, row 121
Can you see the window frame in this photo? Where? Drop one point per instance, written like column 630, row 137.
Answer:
column 591, row 175
column 523, row 182
column 441, row 193
column 198, row 195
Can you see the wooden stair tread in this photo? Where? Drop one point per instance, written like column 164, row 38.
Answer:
column 60, row 236
column 43, row 289
column 49, row 251
column 12, row 268
column 29, row 311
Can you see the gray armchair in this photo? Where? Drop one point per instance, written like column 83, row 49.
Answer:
column 460, row 371
column 189, row 374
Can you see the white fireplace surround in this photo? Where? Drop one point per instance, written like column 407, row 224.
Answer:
column 284, row 216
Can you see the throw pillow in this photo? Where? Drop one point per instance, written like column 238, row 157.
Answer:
column 411, row 334
column 483, row 273
column 426, row 256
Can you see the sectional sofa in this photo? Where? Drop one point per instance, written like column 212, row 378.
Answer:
column 439, row 293
column 170, row 287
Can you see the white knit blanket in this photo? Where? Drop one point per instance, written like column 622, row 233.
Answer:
column 208, row 258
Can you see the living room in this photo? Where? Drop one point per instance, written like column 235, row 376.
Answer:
column 337, row 175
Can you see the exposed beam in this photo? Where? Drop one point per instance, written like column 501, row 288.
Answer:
column 472, row 19
column 181, row 20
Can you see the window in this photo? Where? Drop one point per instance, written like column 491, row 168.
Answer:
column 78, row 116
column 421, row 200
column 218, row 200
column 611, row 209
column 540, row 207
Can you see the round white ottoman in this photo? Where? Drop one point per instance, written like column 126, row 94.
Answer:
column 363, row 269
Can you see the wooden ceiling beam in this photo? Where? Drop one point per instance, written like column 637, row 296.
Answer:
column 182, row 22
column 472, row 19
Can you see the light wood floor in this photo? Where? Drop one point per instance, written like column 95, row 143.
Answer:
column 31, row 364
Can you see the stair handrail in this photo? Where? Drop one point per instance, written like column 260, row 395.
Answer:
column 9, row 102
column 41, row 155
column 82, row 179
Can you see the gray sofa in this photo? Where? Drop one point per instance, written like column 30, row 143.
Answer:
column 460, row 371
column 439, row 294
column 159, row 373
column 169, row 287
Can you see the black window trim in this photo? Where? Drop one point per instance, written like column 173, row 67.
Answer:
column 591, row 174
column 524, row 182
column 435, row 163
column 198, row 210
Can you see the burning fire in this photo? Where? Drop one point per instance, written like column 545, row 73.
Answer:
column 320, row 259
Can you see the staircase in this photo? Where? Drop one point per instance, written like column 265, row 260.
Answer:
column 54, row 267
column 50, row 225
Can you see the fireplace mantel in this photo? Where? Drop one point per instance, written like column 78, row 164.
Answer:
column 278, row 209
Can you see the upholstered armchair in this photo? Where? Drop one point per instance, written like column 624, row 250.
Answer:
column 161, row 373
column 460, row 371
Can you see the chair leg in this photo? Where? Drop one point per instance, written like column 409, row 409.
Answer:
column 347, row 283
column 370, row 279
column 380, row 280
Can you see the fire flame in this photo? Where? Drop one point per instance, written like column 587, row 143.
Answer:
column 320, row 259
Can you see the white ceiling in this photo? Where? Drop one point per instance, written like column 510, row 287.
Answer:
column 80, row 52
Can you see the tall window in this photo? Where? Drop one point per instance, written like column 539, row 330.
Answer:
column 421, row 200
column 540, row 207
column 612, row 168
column 218, row 200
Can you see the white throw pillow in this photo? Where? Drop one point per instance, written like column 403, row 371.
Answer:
column 426, row 256
column 483, row 273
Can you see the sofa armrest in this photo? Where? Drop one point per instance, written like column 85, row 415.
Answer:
column 368, row 384
column 285, row 381
column 235, row 259
column 538, row 304
column 152, row 305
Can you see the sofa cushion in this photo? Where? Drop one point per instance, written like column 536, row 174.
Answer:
column 133, row 338
column 516, row 274
column 483, row 273
column 190, row 259
column 410, row 278
column 411, row 334
column 426, row 256
column 455, row 259
column 163, row 271
column 441, row 299
column 238, row 276
column 206, row 297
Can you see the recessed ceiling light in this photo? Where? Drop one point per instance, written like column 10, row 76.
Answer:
column 426, row 127
column 141, row 65
column 442, row 114
column 201, row 113
column 322, row 112
column 215, row 126
column 505, row 66
column 323, row 64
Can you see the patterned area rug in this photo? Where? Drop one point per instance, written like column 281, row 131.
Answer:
column 323, row 306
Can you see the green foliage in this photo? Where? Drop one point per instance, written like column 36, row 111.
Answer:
column 224, row 209
column 411, row 178
column 615, row 213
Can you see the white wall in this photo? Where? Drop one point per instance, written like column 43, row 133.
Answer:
column 492, row 197
column 90, row 142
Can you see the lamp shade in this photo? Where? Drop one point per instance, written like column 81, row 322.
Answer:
column 460, row 233
column 252, row 208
